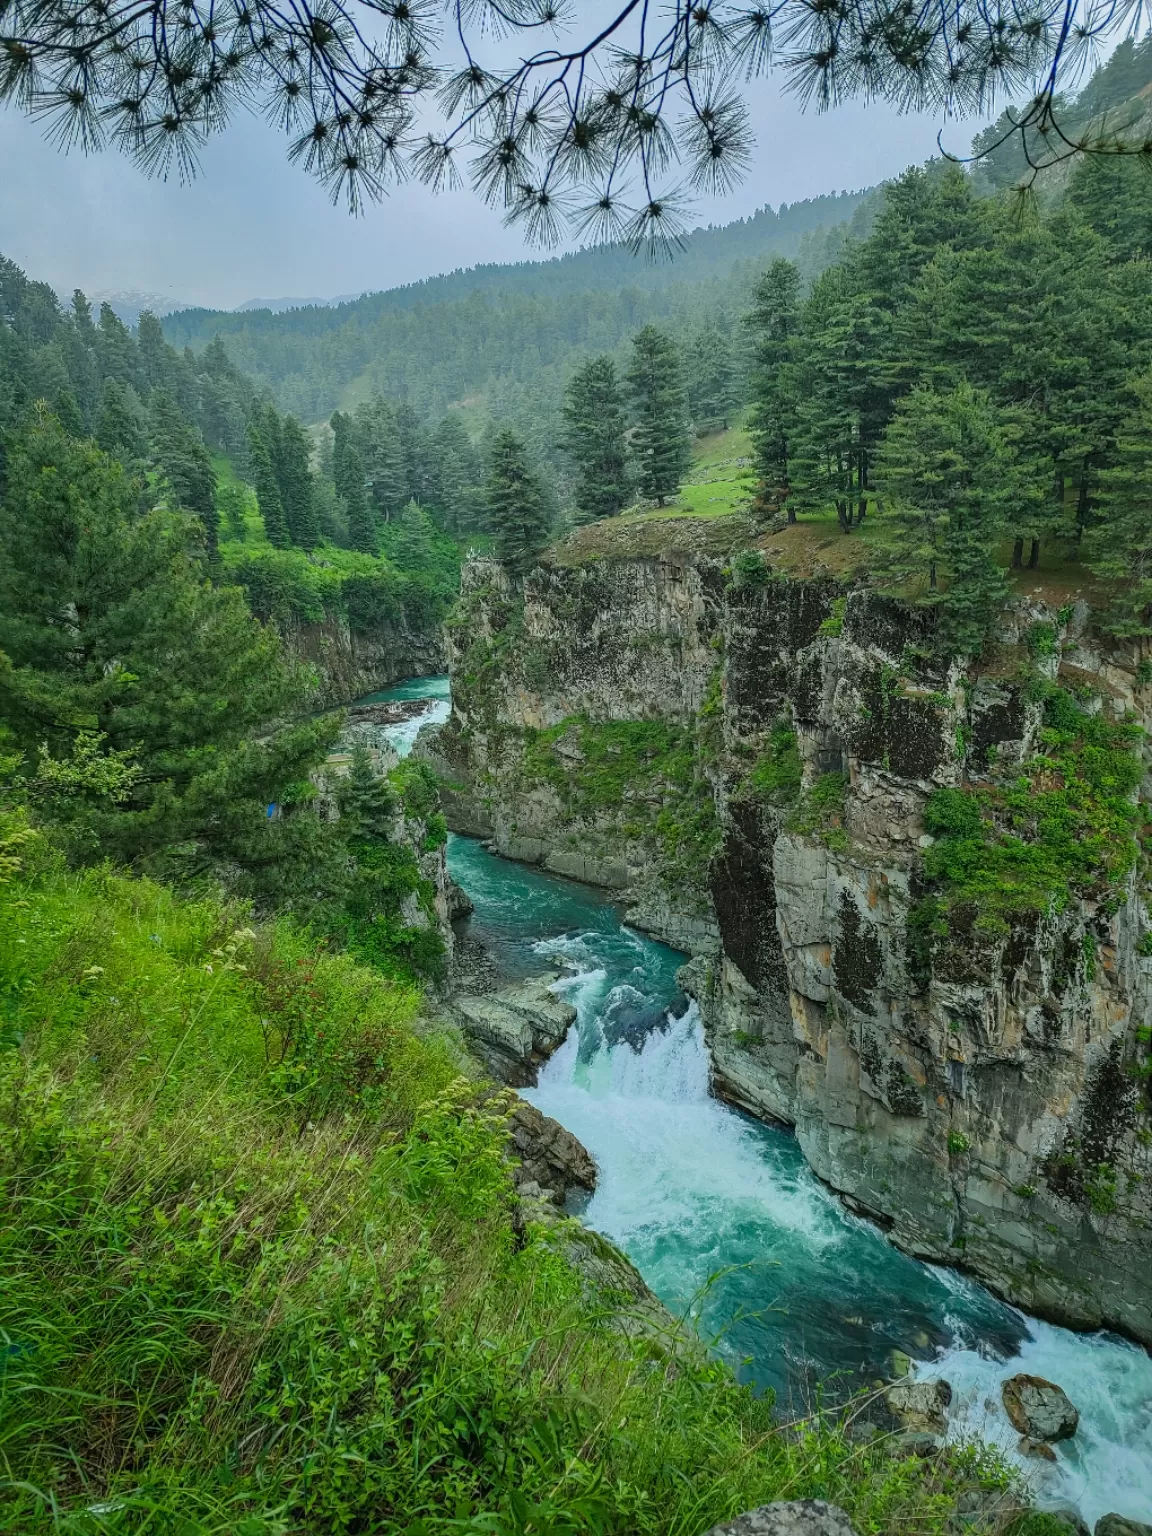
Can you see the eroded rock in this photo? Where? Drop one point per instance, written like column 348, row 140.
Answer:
column 1039, row 1409
column 792, row 1517
column 514, row 1029
column 551, row 1158
column 1120, row 1525
column 920, row 1405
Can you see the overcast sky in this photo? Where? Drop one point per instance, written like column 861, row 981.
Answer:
column 252, row 225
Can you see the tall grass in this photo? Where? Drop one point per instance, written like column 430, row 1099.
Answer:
column 259, row 1274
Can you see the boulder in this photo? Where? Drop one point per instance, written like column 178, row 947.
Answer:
column 920, row 1405
column 1120, row 1525
column 793, row 1517
column 1039, row 1409
column 514, row 1028
column 551, row 1159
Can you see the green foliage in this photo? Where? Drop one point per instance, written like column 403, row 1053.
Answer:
column 594, row 417
column 820, row 811
column 660, row 443
column 958, row 1143
column 258, row 1271
column 954, row 480
column 646, row 772
column 834, row 624
column 1062, row 825
column 778, row 772
column 518, row 513
column 750, row 569
column 172, row 672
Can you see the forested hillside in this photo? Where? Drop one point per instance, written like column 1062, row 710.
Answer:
column 509, row 335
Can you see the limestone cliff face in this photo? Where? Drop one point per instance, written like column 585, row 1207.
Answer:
column 351, row 663
column 975, row 1080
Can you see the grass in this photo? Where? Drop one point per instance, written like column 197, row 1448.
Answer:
column 259, row 1272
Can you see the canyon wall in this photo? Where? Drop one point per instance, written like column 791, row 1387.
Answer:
column 351, row 663
column 955, row 1020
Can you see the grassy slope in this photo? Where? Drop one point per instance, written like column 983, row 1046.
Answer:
column 258, row 1271
column 710, row 516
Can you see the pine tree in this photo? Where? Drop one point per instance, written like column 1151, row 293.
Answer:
column 267, row 487
column 297, row 492
column 594, row 416
column 459, row 497
column 517, row 508
column 381, row 448
column 710, row 375
column 773, row 321
column 116, row 349
column 168, row 667
column 366, row 800
column 1119, row 548
column 951, row 477
column 118, row 427
column 179, row 454
column 660, row 443
column 348, row 476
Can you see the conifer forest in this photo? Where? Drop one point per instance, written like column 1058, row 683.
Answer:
column 576, row 834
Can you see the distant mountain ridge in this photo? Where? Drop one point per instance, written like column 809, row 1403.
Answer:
column 504, row 337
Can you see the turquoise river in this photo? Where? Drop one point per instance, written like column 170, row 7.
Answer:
column 726, row 1222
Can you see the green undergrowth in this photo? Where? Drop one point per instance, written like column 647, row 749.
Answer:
column 820, row 811
column 259, row 1272
column 777, row 773
column 646, row 773
column 1059, row 826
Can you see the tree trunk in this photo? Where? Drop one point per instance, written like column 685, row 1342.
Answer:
column 1034, row 555
column 931, row 575
column 1017, row 554
column 861, row 507
column 791, row 511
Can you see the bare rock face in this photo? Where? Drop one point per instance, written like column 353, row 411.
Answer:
column 514, row 1029
column 920, row 1405
column 1039, row 1409
column 551, row 1158
column 973, row 1085
column 1119, row 1525
column 793, row 1517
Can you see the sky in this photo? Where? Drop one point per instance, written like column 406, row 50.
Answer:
column 253, row 226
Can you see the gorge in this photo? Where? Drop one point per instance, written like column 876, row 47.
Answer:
column 690, row 1188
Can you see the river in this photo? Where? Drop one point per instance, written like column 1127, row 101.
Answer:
column 726, row 1222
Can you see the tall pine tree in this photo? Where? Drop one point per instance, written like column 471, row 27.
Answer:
column 297, row 492
column 595, row 440
column 660, row 443
column 179, row 454
column 267, row 486
column 517, row 507
column 951, row 477
column 772, row 322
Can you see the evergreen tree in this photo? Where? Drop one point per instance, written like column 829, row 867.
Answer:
column 951, row 476
column 594, row 417
column 297, row 492
column 155, row 357
column 366, row 800
column 118, row 427
column 1119, row 547
column 348, row 477
column 710, row 374
column 185, row 464
column 660, row 443
column 773, row 321
column 116, row 349
column 267, row 487
column 458, row 493
column 377, row 435
column 517, row 507
column 170, row 670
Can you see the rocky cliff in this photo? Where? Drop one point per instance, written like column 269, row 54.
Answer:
column 351, row 662
column 912, row 885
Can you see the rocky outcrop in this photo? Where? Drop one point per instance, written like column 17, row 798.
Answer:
column 794, row 1517
column 513, row 1029
column 920, row 1405
column 552, row 1164
column 753, row 764
column 350, row 663
column 1039, row 1409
